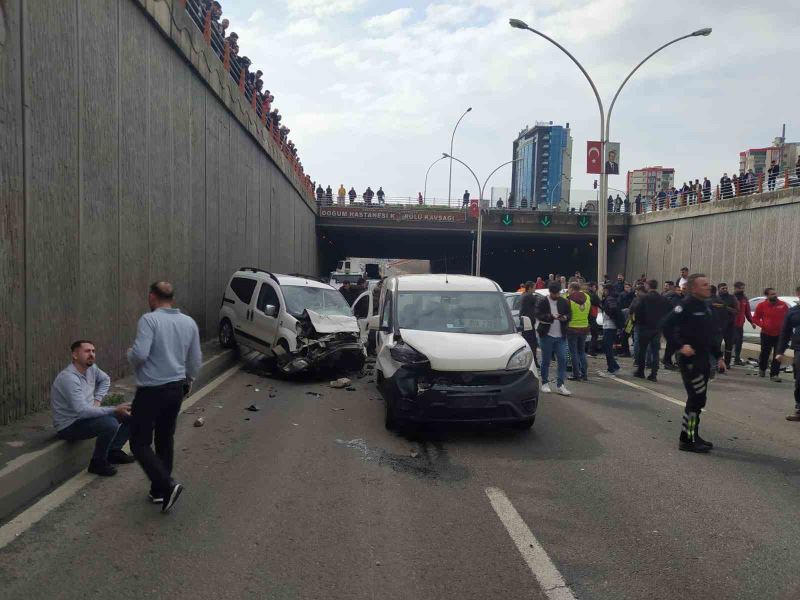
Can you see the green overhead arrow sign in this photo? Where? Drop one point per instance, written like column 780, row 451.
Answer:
column 546, row 220
column 584, row 221
column 507, row 220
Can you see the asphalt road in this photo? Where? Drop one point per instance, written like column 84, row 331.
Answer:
column 312, row 498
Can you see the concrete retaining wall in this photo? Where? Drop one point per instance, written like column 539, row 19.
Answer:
column 126, row 156
column 754, row 239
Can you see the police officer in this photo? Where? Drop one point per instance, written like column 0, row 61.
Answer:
column 692, row 329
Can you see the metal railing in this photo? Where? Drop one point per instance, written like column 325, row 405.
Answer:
column 433, row 203
column 726, row 189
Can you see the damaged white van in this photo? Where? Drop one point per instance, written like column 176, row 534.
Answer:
column 449, row 350
column 299, row 321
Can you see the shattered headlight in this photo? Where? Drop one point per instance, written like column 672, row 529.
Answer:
column 521, row 359
column 406, row 355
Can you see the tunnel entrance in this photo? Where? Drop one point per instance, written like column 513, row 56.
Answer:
column 508, row 258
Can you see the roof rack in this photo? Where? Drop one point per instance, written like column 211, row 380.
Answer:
column 257, row 270
column 304, row 276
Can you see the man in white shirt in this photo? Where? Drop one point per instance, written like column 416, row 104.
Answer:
column 553, row 314
column 684, row 278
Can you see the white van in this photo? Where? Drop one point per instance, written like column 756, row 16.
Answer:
column 301, row 322
column 448, row 349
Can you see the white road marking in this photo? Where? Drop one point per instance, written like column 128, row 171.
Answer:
column 681, row 403
column 550, row 580
column 22, row 522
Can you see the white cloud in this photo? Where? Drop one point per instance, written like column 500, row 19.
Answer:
column 324, row 8
column 302, row 27
column 388, row 22
column 257, row 15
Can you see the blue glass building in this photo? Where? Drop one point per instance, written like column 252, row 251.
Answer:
column 545, row 170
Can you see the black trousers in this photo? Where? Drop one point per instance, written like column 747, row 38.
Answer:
column 154, row 414
column 594, row 330
column 769, row 344
column 738, row 341
column 797, row 379
column 728, row 335
column 694, row 373
column 669, row 352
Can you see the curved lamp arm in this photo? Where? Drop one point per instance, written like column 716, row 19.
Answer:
column 446, row 155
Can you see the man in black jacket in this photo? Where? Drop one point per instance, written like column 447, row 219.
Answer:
column 675, row 297
column 790, row 336
column 691, row 326
column 553, row 314
column 730, row 306
column 649, row 313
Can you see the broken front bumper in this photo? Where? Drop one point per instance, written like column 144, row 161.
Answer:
column 419, row 394
column 342, row 356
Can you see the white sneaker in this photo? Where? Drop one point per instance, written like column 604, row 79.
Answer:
column 562, row 389
column 546, row 388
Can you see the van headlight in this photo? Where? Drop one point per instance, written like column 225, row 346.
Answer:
column 406, row 355
column 521, row 359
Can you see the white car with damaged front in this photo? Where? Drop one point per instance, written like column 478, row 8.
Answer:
column 448, row 349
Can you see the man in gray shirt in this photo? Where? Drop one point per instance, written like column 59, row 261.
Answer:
column 75, row 398
column 166, row 356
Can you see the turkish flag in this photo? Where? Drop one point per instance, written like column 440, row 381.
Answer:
column 474, row 210
column 594, row 157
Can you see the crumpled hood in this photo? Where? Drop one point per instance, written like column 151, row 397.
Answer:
column 464, row 351
column 332, row 323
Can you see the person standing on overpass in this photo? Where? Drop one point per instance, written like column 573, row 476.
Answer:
column 790, row 337
column 166, row 357
column 691, row 327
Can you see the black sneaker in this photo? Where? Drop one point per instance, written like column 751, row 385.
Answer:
column 156, row 498
column 762, row 373
column 638, row 374
column 652, row 377
column 585, row 378
column 688, row 446
column 172, row 497
column 795, row 416
column 669, row 366
column 118, row 457
column 738, row 363
column 102, row 468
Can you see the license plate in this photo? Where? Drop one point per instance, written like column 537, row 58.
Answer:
column 472, row 402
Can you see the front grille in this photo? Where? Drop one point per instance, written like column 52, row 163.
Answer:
column 467, row 379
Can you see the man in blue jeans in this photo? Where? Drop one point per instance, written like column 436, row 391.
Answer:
column 553, row 314
column 75, row 397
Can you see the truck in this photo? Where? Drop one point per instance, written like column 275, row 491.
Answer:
column 353, row 269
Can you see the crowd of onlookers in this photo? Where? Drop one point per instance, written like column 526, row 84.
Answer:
column 343, row 196
column 633, row 322
column 698, row 192
column 207, row 15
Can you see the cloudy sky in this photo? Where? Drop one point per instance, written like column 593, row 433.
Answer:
column 371, row 89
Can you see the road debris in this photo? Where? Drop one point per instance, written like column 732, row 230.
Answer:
column 253, row 408
column 342, row 382
column 317, row 394
column 336, row 409
column 350, row 388
column 199, row 422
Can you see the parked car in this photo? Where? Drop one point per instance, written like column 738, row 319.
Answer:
column 514, row 301
column 448, row 349
column 299, row 321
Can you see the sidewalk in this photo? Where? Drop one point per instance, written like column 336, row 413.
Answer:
column 33, row 460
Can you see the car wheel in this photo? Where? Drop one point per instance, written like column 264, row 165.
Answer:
column 226, row 338
column 525, row 423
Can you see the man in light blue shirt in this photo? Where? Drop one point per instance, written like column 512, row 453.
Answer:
column 75, row 398
column 166, row 356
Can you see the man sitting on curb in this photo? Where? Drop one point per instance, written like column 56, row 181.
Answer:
column 75, row 398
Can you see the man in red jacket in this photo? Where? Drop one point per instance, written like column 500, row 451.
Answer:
column 743, row 315
column 769, row 316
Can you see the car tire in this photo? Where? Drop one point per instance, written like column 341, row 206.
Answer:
column 226, row 337
column 525, row 423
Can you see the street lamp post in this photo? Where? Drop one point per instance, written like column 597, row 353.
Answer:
column 452, row 138
column 425, row 189
column 602, row 225
column 481, row 188
column 555, row 187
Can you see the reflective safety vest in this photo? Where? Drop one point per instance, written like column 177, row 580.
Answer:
column 580, row 314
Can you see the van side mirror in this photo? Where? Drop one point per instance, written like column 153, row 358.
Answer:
column 271, row 310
